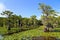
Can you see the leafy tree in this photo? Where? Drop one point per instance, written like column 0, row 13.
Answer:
column 20, row 21
column 33, row 20
column 47, row 12
column 8, row 14
column 25, row 21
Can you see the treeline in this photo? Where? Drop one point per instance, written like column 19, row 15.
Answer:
column 17, row 22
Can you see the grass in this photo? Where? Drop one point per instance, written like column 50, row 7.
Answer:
column 31, row 33
column 3, row 30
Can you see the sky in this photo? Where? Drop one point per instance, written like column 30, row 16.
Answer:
column 27, row 8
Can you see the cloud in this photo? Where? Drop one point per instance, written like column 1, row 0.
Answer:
column 2, row 8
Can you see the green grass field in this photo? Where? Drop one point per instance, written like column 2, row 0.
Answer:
column 3, row 30
column 31, row 33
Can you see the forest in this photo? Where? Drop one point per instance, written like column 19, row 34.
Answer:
column 16, row 27
column 16, row 23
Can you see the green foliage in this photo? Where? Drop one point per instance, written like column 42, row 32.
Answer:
column 14, row 30
column 3, row 30
column 49, row 16
column 26, row 38
column 16, row 23
column 32, row 33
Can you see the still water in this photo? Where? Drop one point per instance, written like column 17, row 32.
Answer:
column 1, row 37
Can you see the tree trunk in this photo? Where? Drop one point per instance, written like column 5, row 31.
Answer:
column 46, row 29
column 19, row 23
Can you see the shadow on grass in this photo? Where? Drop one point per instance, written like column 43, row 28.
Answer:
column 55, row 31
column 44, row 38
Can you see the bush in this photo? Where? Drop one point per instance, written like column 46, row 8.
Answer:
column 3, row 30
column 14, row 29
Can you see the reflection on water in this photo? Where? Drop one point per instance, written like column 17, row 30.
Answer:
column 1, row 37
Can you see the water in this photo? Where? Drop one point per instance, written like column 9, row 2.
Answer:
column 1, row 37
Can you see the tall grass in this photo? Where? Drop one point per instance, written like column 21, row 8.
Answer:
column 31, row 33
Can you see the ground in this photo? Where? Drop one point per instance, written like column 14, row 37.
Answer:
column 34, row 32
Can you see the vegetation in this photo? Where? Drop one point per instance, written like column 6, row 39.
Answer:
column 14, row 23
column 17, row 27
column 48, row 15
column 32, row 33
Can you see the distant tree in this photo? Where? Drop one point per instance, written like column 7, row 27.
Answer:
column 33, row 20
column 39, row 22
column 8, row 14
column 57, row 23
column 20, row 21
column 15, row 20
column 25, row 21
